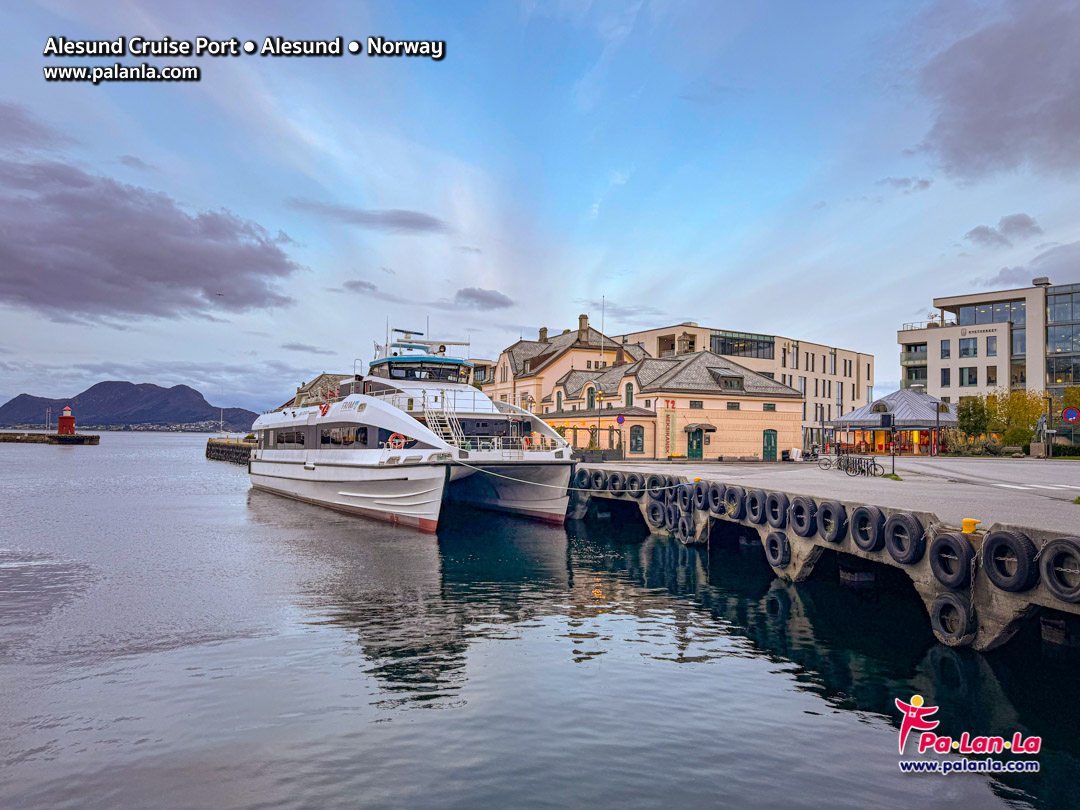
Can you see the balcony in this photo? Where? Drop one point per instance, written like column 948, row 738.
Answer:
column 913, row 358
column 905, row 384
column 934, row 324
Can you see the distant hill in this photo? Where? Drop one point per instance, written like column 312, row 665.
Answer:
column 125, row 404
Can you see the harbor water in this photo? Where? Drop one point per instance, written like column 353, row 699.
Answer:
column 171, row 639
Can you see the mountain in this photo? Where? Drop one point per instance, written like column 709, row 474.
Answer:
column 123, row 404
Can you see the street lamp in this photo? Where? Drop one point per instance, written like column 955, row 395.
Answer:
column 599, row 405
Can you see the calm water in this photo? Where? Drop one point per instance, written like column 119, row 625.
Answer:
column 170, row 639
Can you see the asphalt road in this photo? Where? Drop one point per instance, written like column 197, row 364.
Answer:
column 1027, row 492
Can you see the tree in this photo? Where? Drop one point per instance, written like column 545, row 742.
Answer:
column 1014, row 410
column 972, row 417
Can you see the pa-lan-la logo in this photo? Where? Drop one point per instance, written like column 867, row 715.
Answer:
column 916, row 718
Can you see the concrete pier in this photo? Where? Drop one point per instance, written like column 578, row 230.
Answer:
column 796, row 528
column 230, row 450
column 50, row 438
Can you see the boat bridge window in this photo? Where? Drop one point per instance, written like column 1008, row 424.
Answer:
column 438, row 372
column 290, row 439
column 349, row 438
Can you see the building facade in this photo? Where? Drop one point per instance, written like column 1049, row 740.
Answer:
column 1021, row 339
column 697, row 405
column 832, row 381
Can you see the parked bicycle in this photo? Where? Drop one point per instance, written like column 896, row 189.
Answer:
column 852, row 465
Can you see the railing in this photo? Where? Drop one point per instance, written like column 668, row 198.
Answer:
column 457, row 401
column 518, row 443
column 908, row 327
column 913, row 357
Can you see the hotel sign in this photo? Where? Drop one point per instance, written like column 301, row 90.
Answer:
column 667, row 427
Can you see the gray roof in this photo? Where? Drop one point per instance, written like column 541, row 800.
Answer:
column 529, row 349
column 910, row 409
column 699, row 372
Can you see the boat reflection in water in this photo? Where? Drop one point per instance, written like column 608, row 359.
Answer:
column 418, row 608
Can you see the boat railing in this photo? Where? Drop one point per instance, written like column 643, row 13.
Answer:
column 501, row 443
column 421, row 401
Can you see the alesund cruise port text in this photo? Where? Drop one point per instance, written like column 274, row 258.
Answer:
column 271, row 46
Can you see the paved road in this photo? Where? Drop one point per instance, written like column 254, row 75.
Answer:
column 1027, row 492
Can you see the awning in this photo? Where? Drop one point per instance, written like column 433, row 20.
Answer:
column 700, row 426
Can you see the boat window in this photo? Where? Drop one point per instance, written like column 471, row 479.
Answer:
column 413, row 370
column 291, row 439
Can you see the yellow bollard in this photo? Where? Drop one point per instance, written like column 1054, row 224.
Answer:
column 696, row 480
column 969, row 525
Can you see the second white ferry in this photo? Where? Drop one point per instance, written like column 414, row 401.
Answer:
column 396, row 443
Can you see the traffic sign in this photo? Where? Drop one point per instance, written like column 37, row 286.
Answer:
column 1070, row 415
column 620, row 419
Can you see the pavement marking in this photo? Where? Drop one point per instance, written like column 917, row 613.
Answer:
column 1011, row 486
column 1050, row 486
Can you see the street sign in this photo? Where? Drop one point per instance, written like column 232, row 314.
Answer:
column 620, row 419
column 1070, row 415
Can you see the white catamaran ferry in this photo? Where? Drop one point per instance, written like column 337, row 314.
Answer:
column 396, row 443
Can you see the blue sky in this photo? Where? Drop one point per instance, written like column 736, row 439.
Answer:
column 820, row 171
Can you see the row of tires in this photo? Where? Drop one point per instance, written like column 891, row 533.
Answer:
column 1009, row 558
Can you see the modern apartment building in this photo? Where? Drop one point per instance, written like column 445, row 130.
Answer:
column 833, row 381
column 1027, row 338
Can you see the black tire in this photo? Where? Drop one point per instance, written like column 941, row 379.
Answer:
column 701, row 496
column 616, row 483
column 777, row 550
column 1009, row 561
column 716, row 499
column 635, row 485
column 582, row 479
column 686, row 498
column 867, row 525
column 831, row 521
column 950, row 559
column 904, row 538
column 735, row 502
column 685, row 529
column 654, row 485
column 599, row 480
column 803, row 516
column 1059, row 561
column 755, row 506
column 671, row 513
column 952, row 619
column 656, row 514
column 672, row 491
column 776, row 506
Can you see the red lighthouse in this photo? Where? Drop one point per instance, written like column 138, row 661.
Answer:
column 65, row 423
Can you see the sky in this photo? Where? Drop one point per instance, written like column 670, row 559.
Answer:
column 820, row 171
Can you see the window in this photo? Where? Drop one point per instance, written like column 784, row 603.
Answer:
column 991, row 346
column 1018, row 313
column 629, row 395
column 969, row 347
column 733, row 406
column 965, row 316
column 783, row 357
column 504, row 372
column 946, row 377
column 590, row 399
column 969, row 376
column 1060, row 308
column 741, row 344
column 769, row 406
column 697, row 404
column 732, row 383
column 945, row 400
column 802, row 385
column 815, row 387
column 832, row 364
column 1019, row 341
column 946, row 349
column 648, row 403
column 984, row 313
column 991, row 375
column 637, row 439
column 558, row 400
column 588, row 364
column 1059, row 339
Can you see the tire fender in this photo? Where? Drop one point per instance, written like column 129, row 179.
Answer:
column 802, row 514
column 867, row 523
column 905, row 539
column 716, row 498
column 777, row 550
column 1060, row 553
column 755, row 506
column 776, row 506
column 950, row 559
column 953, row 620
column 832, row 521
column 1008, row 557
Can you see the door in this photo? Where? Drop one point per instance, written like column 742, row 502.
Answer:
column 768, row 450
column 694, row 443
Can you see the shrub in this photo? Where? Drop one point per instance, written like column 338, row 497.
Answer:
column 1018, row 436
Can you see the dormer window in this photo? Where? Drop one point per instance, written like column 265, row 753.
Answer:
column 879, row 407
column 732, row 383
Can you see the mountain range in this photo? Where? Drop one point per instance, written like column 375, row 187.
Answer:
column 118, row 404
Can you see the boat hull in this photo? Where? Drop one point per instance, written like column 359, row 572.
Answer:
column 411, row 495
column 537, row 490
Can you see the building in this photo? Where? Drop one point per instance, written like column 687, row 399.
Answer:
column 1027, row 338
column 526, row 372
column 833, row 381
column 917, row 419
column 483, row 371
column 695, row 405
column 320, row 389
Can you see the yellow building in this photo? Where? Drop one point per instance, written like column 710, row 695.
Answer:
column 526, row 372
column 833, row 381
column 698, row 405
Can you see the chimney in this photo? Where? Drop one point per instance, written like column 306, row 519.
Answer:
column 583, row 328
column 543, row 334
column 1041, row 281
column 620, row 356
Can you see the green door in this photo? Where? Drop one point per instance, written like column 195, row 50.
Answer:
column 768, row 450
column 693, row 444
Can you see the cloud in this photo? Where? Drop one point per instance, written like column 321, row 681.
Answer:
column 708, row 93
column 83, row 246
column 468, row 249
column 305, row 347
column 20, row 129
column 908, row 185
column 393, row 220
column 388, row 271
column 1061, row 264
column 367, row 288
column 139, row 164
column 479, row 298
column 1006, row 95
column 1013, row 226
column 627, row 312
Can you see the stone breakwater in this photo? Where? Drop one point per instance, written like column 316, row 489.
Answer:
column 50, row 438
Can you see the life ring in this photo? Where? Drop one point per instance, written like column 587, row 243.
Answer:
column 397, row 442
column 525, row 443
column 324, row 408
